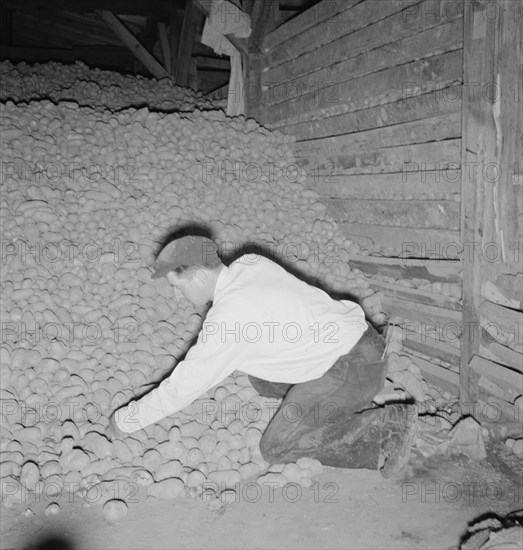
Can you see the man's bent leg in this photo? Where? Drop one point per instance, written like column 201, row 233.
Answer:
column 318, row 418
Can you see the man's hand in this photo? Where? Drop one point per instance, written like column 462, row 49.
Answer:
column 113, row 431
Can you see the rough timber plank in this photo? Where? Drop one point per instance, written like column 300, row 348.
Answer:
column 397, row 213
column 361, row 41
column 498, row 373
column 418, row 243
column 439, row 128
column 432, row 42
column 437, row 375
column 414, row 295
column 388, row 85
column 385, row 186
column 310, row 18
column 430, row 347
column 426, row 156
column 489, row 349
column 357, row 16
column 418, row 107
column 133, row 44
column 408, row 268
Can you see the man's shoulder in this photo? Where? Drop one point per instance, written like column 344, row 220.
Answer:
column 253, row 261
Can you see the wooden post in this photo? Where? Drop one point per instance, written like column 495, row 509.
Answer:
column 490, row 118
column 262, row 21
column 133, row 44
column 165, row 48
column 175, row 29
column 185, row 49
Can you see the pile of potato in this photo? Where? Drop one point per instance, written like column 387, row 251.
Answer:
column 88, row 197
column 94, row 87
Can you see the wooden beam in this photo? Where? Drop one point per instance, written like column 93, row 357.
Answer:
column 443, row 271
column 418, row 184
column 264, row 18
column 175, row 30
column 408, row 294
column 213, row 63
column 498, row 374
column 186, row 44
column 133, row 44
column 397, row 213
column 165, row 48
column 491, row 129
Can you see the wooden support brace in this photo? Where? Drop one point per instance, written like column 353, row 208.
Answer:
column 133, row 44
column 164, row 46
column 186, row 44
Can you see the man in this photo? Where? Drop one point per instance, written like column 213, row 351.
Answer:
column 295, row 342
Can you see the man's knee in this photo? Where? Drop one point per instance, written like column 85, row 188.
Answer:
column 272, row 451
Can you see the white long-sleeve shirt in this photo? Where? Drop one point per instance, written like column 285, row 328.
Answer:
column 265, row 322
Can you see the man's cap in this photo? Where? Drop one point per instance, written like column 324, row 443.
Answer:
column 186, row 251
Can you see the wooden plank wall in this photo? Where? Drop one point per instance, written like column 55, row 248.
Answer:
column 371, row 90
column 378, row 95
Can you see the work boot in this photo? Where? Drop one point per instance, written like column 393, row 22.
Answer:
column 397, row 436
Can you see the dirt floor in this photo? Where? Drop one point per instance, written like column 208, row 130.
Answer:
column 428, row 508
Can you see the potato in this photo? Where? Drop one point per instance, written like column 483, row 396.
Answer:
column 29, row 475
column 193, row 457
column 225, row 478
column 52, row 509
column 313, row 464
column 172, row 468
column 207, row 443
column 152, row 459
column 167, row 489
column 273, row 479
column 115, row 510
column 75, row 459
column 196, row 478
column 248, row 471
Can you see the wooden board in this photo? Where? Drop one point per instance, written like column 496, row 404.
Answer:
column 501, row 295
column 421, row 106
column 416, row 243
column 343, row 23
column 361, row 41
column 430, row 347
column 499, row 374
column 446, row 321
column 439, row 128
column 385, row 186
column 504, row 319
column 490, row 349
column 389, row 85
column 429, row 156
column 396, row 213
column 408, row 294
column 431, row 42
column 133, row 44
column 408, row 268
column 506, row 393
column 436, row 375
column 309, row 18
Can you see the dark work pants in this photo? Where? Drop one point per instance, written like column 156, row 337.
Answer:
column 331, row 418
